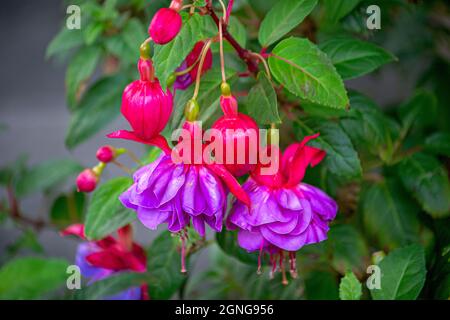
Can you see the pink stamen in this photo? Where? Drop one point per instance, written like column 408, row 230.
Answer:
column 183, row 252
column 283, row 271
column 293, row 265
column 259, row 259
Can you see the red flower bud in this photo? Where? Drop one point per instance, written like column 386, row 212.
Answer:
column 165, row 25
column 242, row 132
column 87, row 181
column 106, row 154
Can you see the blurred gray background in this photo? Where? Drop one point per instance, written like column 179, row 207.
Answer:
column 32, row 105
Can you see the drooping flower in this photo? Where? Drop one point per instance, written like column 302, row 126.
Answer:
column 240, row 135
column 147, row 107
column 87, row 181
column 285, row 213
column 191, row 63
column 181, row 193
column 165, row 25
column 101, row 259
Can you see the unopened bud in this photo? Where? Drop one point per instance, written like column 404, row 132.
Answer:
column 192, row 110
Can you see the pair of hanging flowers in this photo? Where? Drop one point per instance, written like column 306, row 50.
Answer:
column 274, row 213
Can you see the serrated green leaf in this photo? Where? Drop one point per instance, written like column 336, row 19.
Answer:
column 350, row 288
column 262, row 102
column 80, row 69
column 168, row 57
column 342, row 159
column 389, row 215
column 308, row 73
column 336, row 10
column 282, row 18
column 46, row 175
column 427, row 180
column 402, row 274
column 354, row 58
column 163, row 264
column 438, row 143
column 31, row 278
column 99, row 106
column 105, row 213
column 65, row 40
column 420, row 111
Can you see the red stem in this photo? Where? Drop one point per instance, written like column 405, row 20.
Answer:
column 244, row 54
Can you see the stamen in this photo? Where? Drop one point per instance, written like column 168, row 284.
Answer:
column 183, row 252
column 273, row 260
column 259, row 272
column 293, row 265
column 283, row 271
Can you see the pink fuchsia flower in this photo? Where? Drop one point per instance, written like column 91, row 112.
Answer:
column 240, row 134
column 106, row 154
column 147, row 107
column 285, row 213
column 87, row 181
column 192, row 62
column 165, row 25
column 98, row 260
column 179, row 194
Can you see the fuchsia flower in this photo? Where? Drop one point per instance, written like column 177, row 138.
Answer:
column 87, row 181
column 185, row 80
column 178, row 194
column 100, row 259
column 146, row 107
column 285, row 213
column 165, row 25
column 241, row 132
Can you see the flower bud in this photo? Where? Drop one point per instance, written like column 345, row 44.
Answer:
column 242, row 133
column 165, row 25
column 106, row 154
column 191, row 110
column 87, row 181
column 145, row 105
column 145, row 51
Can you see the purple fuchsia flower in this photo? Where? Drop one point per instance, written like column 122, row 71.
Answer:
column 285, row 213
column 98, row 260
column 178, row 194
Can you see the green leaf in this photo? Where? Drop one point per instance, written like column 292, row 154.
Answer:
column 208, row 96
column 81, row 67
column 68, row 209
column 98, row 107
column 27, row 241
column 308, row 73
column 402, row 274
column 45, row 175
column 227, row 241
column 342, row 159
column 347, row 247
column 420, row 111
column 282, row 18
column 321, row 285
column 111, row 286
column 350, row 288
column 354, row 58
column 262, row 102
column 336, row 10
column 438, row 143
column 389, row 215
column 106, row 213
column 65, row 40
column 31, row 278
column 92, row 32
column 427, row 180
column 163, row 264
column 168, row 57
column 366, row 125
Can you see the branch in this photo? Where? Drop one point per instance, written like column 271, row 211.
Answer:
column 246, row 55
